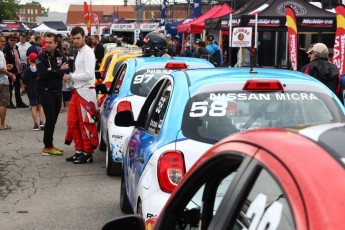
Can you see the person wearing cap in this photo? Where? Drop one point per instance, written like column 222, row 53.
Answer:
column 324, row 71
column 5, row 74
column 186, row 51
column 29, row 79
column 12, row 57
column 214, row 50
column 51, row 66
column 200, row 50
column 303, row 68
column 23, row 47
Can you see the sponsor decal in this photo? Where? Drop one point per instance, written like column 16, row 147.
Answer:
column 317, row 22
column 298, row 8
column 264, row 22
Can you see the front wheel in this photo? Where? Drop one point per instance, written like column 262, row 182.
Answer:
column 113, row 168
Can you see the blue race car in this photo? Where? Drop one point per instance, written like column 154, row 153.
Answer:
column 186, row 112
column 132, row 82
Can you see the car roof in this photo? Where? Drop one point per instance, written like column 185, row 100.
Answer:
column 234, row 78
column 159, row 62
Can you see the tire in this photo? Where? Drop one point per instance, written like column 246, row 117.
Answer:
column 102, row 145
column 113, row 169
column 124, row 202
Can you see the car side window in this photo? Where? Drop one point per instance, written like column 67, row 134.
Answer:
column 150, row 101
column 120, row 73
column 120, row 79
column 266, row 205
column 158, row 110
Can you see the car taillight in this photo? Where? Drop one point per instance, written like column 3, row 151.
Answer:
column 263, row 85
column 170, row 170
column 124, row 106
column 176, row 65
column 108, row 85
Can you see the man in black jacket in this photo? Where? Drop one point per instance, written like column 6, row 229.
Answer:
column 51, row 66
column 12, row 57
column 323, row 70
column 200, row 50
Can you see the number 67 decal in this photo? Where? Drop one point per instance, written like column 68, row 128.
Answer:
column 262, row 218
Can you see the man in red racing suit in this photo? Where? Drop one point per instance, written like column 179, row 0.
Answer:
column 82, row 113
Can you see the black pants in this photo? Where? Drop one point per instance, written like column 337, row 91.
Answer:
column 51, row 103
column 16, row 86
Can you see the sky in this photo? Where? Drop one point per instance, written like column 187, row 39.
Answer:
column 63, row 5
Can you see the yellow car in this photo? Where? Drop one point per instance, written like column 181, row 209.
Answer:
column 112, row 68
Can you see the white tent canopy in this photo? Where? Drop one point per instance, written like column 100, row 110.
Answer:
column 44, row 28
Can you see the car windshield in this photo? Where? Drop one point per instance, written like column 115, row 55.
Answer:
column 143, row 80
column 210, row 117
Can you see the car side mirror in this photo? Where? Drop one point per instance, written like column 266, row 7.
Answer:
column 124, row 119
column 101, row 89
column 129, row 222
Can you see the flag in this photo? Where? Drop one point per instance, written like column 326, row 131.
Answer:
column 339, row 43
column 96, row 20
column 87, row 18
column 115, row 17
column 163, row 13
column 197, row 8
column 292, row 36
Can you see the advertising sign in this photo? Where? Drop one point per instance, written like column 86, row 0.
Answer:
column 242, row 37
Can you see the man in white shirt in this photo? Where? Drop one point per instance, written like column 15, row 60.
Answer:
column 81, row 121
column 4, row 85
column 23, row 46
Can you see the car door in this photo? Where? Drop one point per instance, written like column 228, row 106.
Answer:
column 144, row 138
column 266, row 197
column 196, row 201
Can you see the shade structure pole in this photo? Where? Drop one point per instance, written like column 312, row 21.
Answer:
column 230, row 38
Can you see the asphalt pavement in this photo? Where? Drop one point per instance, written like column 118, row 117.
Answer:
column 46, row 192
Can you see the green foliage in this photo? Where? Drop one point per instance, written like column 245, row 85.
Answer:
column 45, row 11
column 8, row 9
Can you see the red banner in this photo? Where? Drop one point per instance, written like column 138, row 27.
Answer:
column 339, row 43
column 87, row 18
column 292, row 36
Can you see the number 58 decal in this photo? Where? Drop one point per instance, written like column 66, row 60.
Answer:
column 262, row 217
column 201, row 108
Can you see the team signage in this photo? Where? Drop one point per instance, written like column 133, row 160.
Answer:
column 242, row 37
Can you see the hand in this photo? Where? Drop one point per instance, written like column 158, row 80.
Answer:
column 64, row 66
column 9, row 66
column 13, row 77
column 67, row 78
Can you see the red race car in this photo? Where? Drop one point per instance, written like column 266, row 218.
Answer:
column 260, row 179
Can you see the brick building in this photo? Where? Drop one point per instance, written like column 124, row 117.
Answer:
column 28, row 13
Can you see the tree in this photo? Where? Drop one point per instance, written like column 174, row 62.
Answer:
column 45, row 11
column 9, row 8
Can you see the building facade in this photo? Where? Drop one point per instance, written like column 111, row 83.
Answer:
column 28, row 13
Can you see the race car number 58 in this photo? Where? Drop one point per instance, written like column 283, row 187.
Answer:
column 201, row 108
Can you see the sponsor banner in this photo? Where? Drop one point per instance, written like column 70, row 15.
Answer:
column 129, row 26
column 149, row 26
column 292, row 36
column 242, row 37
column 264, row 22
column 339, row 43
column 317, row 23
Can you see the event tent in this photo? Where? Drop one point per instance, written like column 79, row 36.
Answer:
column 44, row 28
column 271, row 17
column 197, row 25
column 13, row 27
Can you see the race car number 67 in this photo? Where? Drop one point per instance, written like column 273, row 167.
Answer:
column 261, row 216
column 200, row 109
